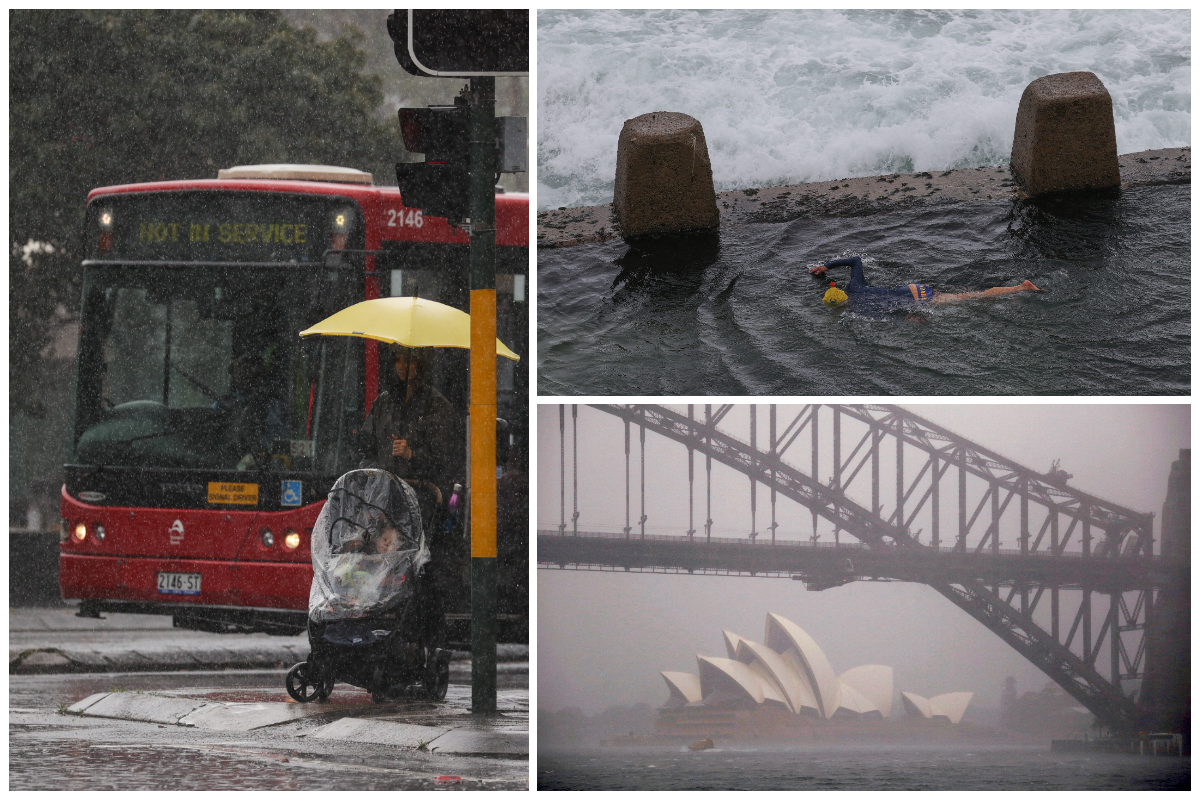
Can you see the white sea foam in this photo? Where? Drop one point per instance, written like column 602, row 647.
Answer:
column 798, row 96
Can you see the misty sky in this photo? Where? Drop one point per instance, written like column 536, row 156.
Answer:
column 603, row 637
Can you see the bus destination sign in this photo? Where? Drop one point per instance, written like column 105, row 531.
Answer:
column 223, row 232
column 220, row 227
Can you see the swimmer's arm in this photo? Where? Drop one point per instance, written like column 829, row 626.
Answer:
column 858, row 279
column 837, row 262
column 851, row 261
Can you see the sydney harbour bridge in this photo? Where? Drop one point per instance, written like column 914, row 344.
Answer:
column 1076, row 584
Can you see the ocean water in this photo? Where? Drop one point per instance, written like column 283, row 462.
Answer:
column 736, row 312
column 809, row 95
column 823, row 768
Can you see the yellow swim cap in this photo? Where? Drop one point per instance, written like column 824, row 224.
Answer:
column 834, row 297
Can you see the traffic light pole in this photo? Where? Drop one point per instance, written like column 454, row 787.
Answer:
column 481, row 105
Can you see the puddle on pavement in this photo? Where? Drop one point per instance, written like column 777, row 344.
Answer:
column 48, row 764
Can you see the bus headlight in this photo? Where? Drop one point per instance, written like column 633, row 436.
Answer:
column 99, row 533
column 343, row 220
column 80, row 532
column 268, row 538
column 292, row 540
column 105, row 221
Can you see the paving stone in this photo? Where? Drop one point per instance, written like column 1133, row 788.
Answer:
column 481, row 743
column 251, row 716
column 38, row 660
column 398, row 734
column 139, row 707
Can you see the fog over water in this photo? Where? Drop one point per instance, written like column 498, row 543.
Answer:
column 603, row 637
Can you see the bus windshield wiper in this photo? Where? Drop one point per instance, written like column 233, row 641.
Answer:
column 207, row 391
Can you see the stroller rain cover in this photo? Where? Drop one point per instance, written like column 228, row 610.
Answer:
column 367, row 547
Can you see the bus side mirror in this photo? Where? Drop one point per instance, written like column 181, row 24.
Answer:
column 502, row 437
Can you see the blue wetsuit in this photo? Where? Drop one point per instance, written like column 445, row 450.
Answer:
column 869, row 299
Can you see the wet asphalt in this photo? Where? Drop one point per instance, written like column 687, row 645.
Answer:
column 75, row 729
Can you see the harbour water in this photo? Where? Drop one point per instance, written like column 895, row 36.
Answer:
column 738, row 314
column 796, row 96
column 799, row 96
column 863, row 767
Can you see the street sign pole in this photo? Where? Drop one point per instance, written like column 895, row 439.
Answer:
column 481, row 105
column 477, row 44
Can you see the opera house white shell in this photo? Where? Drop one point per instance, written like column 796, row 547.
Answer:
column 951, row 705
column 791, row 672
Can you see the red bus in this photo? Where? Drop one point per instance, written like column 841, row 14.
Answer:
column 173, row 505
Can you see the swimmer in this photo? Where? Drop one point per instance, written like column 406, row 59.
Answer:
column 913, row 294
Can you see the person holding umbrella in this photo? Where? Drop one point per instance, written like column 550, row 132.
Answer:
column 411, row 429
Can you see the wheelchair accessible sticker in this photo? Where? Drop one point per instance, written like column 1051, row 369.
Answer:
column 290, row 495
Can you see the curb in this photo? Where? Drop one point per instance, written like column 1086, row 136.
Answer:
column 114, row 658
column 443, row 741
column 61, row 660
column 244, row 717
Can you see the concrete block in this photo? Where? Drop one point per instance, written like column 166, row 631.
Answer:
column 84, row 659
column 138, row 707
column 1065, row 139
column 236, row 717
column 396, row 734
column 664, row 178
column 87, row 703
column 44, row 661
column 481, row 743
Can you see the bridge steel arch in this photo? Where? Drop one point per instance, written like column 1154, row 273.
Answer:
column 1083, row 543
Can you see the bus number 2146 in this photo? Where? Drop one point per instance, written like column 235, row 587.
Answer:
column 404, row 218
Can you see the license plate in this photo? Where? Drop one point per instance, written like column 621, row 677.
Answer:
column 179, row 583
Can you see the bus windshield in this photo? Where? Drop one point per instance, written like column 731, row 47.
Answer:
column 202, row 368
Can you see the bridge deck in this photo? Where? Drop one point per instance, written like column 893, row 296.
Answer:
column 826, row 563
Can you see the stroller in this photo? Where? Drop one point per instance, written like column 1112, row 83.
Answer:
column 375, row 618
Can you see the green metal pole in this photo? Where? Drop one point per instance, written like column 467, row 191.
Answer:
column 481, row 124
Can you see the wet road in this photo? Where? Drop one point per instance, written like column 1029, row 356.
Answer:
column 49, row 749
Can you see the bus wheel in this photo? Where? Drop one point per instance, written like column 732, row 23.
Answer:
column 300, row 686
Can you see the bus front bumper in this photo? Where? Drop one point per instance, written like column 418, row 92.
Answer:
column 136, row 582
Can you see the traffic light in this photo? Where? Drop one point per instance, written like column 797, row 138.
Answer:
column 440, row 132
column 439, row 190
column 441, row 186
column 458, row 43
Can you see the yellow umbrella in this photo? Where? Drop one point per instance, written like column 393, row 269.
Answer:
column 407, row 321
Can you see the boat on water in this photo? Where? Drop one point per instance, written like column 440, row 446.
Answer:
column 704, row 744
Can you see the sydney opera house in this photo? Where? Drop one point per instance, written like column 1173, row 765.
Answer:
column 786, row 683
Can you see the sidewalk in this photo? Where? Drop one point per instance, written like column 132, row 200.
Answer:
column 54, row 640
column 446, row 728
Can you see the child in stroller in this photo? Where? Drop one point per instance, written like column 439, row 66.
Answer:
column 374, row 619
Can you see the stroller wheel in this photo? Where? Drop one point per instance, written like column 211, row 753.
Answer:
column 437, row 675
column 326, row 689
column 381, row 690
column 300, row 684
